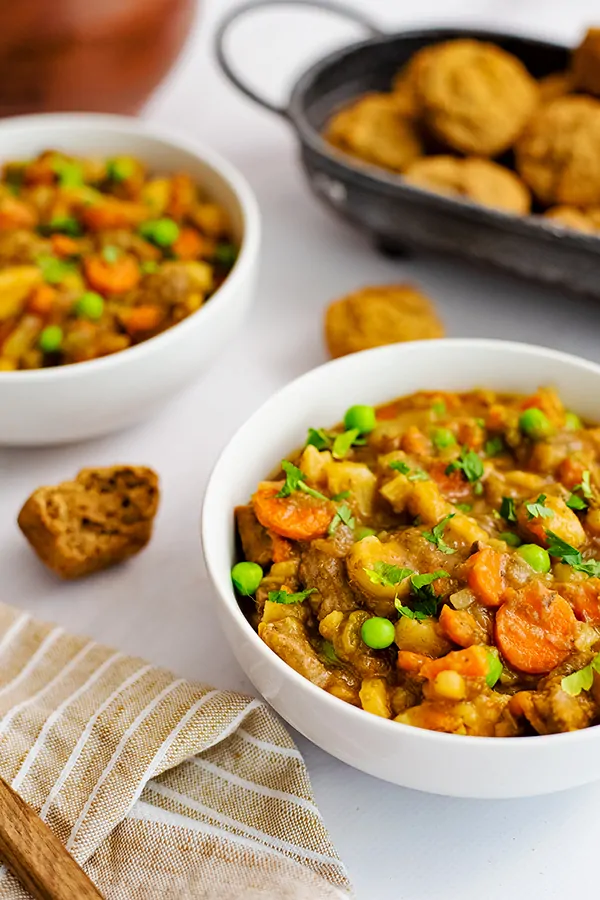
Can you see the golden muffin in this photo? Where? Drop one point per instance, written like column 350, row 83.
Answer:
column 373, row 129
column 378, row 315
column 558, row 156
column 584, row 220
column 556, row 85
column 586, row 63
column 476, row 98
column 404, row 84
column 478, row 180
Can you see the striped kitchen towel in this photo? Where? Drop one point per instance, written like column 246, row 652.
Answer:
column 157, row 786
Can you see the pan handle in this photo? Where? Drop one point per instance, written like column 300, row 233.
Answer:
column 240, row 11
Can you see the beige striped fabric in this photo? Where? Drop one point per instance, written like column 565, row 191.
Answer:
column 158, row 787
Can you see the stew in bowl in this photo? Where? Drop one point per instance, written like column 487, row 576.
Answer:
column 436, row 561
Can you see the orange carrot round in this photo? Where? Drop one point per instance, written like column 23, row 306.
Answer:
column 461, row 627
column 452, row 484
column 42, row 300
column 298, row 517
column 112, row 277
column 535, row 629
column 64, row 246
column 584, row 597
column 570, row 472
column 111, row 213
column 472, row 663
column 409, row 661
column 189, row 244
column 485, row 576
column 139, row 319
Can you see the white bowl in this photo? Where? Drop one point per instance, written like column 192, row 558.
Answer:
column 70, row 403
column 426, row 760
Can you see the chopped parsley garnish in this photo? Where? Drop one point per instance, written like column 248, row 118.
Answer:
column 285, row 597
column 343, row 514
column 436, row 535
column 110, row 254
column 494, row 446
column 478, row 488
column 507, row 509
column 571, row 556
column 464, row 507
column 319, row 438
column 537, row 510
column 398, row 465
column 387, row 574
column 439, row 408
column 581, row 680
column 342, row 442
column 425, row 602
column 469, row 463
column 295, row 481
column 61, row 225
column 148, row 266
column 415, row 474
column 576, row 502
column 343, row 495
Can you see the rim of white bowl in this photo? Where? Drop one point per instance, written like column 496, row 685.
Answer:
column 129, row 125
column 222, row 582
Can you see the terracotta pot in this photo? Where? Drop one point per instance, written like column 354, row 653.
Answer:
column 93, row 55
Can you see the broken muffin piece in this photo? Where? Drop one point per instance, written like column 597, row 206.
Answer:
column 98, row 520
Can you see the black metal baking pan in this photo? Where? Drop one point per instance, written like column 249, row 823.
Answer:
column 398, row 216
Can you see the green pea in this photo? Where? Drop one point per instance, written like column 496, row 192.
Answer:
column 510, row 538
column 378, row 633
column 120, row 168
column 535, row 424
column 89, row 306
column 361, row 418
column 536, row 557
column 163, row 232
column 364, row 532
column 70, row 174
column 50, row 339
column 246, row 577
column 573, row 422
column 442, row 438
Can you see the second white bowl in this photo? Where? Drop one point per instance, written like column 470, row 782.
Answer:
column 70, row 403
column 429, row 761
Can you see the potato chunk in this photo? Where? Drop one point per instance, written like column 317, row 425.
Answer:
column 356, row 478
column 374, row 697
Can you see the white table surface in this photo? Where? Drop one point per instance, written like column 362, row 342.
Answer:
column 398, row 844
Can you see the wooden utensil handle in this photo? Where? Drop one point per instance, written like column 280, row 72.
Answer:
column 34, row 855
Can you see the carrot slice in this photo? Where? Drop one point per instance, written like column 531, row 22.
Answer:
column 42, row 300
column 182, row 196
column 282, row 548
column 570, row 472
column 472, row 663
column 584, row 598
column 112, row 277
column 113, row 213
column 485, row 576
column 535, row 629
column 15, row 214
column 298, row 517
column 461, row 627
column 141, row 318
column 64, row 246
column 189, row 244
column 409, row 661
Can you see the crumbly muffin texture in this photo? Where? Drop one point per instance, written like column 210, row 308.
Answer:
column 101, row 518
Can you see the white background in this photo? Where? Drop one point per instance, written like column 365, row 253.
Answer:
column 397, row 844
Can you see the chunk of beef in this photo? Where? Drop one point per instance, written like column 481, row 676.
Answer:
column 257, row 543
column 327, row 575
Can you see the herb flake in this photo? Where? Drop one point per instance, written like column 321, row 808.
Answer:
column 469, row 463
column 343, row 514
column 287, row 598
column 508, row 510
column 436, row 535
column 582, row 680
column 537, row 510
